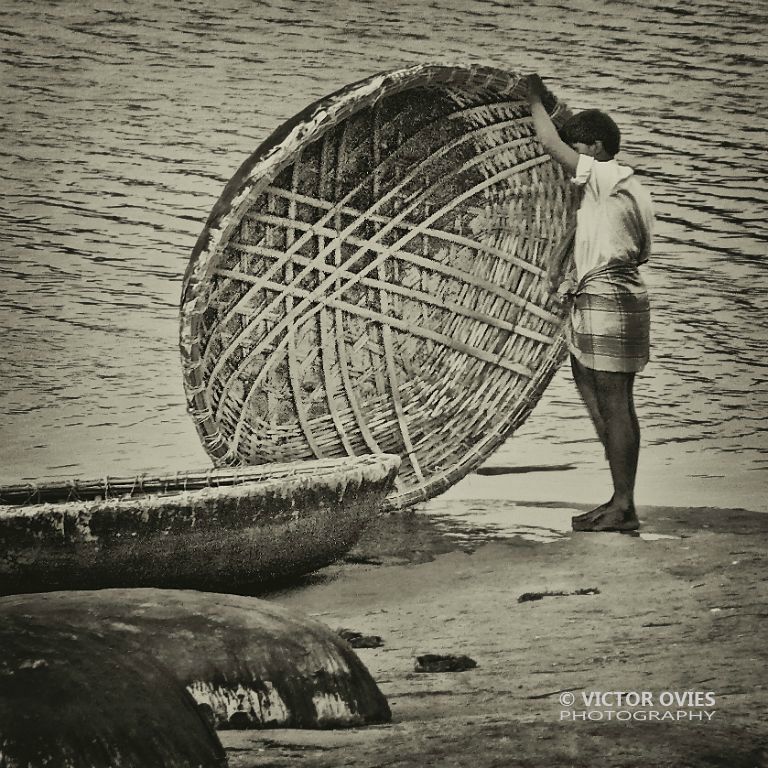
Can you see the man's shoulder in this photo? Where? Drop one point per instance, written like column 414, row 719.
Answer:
column 640, row 192
column 607, row 174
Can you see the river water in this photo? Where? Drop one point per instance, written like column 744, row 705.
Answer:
column 122, row 121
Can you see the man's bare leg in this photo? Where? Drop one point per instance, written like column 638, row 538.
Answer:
column 614, row 394
column 586, row 384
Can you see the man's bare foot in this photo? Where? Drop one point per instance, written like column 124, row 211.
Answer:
column 608, row 517
column 592, row 514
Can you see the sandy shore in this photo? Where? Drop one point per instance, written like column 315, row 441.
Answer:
column 683, row 610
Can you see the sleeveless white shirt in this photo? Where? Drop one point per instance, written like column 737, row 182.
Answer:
column 615, row 218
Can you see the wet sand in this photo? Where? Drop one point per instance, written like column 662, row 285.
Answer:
column 681, row 609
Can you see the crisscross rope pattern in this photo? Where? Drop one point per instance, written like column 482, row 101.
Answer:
column 373, row 281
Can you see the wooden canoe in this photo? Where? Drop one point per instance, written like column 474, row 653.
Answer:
column 248, row 663
column 217, row 530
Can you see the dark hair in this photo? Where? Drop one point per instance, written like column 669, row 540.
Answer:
column 590, row 126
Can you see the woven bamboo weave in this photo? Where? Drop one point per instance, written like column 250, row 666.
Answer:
column 371, row 280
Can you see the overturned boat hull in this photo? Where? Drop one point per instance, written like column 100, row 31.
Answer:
column 246, row 662
column 72, row 698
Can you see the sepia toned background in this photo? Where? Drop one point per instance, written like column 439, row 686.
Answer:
column 122, row 122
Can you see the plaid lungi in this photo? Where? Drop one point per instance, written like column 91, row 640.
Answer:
column 608, row 328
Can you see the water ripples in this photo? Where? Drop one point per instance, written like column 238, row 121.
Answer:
column 121, row 127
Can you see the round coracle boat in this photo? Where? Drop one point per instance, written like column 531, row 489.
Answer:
column 372, row 279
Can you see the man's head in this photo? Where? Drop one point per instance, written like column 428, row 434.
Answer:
column 595, row 133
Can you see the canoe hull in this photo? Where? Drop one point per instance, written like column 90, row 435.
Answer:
column 234, row 539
